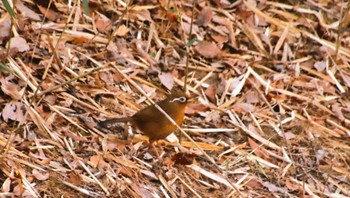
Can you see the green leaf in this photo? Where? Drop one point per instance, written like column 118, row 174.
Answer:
column 190, row 42
column 5, row 68
column 8, row 8
column 86, row 6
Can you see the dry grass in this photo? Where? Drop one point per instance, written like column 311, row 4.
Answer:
column 271, row 79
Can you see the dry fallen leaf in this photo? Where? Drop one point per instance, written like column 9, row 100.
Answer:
column 103, row 24
column 80, row 40
column 251, row 181
column 144, row 15
column 187, row 26
column 122, row 30
column 49, row 13
column 207, row 49
column 167, row 80
column 219, row 38
column 193, row 108
column 252, row 97
column 320, row 65
column 119, row 52
column 346, row 79
column 26, row 11
column 291, row 185
column 106, row 77
column 258, row 150
column 95, row 160
column 5, row 27
column 337, row 110
column 51, row 99
column 274, row 188
column 205, row 16
column 246, row 107
column 74, row 178
column 210, row 92
column 241, row 36
column 75, row 137
column 126, row 171
column 10, row 88
column 18, row 190
column 19, row 43
column 6, row 185
column 14, row 111
column 183, row 158
column 40, row 176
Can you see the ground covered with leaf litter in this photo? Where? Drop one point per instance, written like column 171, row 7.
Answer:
column 270, row 80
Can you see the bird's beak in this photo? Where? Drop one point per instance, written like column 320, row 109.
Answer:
column 191, row 100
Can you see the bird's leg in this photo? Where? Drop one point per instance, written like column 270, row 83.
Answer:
column 180, row 136
column 151, row 143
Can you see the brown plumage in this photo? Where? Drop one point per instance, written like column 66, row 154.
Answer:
column 153, row 123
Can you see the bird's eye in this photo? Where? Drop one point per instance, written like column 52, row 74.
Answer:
column 181, row 99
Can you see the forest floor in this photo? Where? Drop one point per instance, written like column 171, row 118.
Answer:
column 270, row 83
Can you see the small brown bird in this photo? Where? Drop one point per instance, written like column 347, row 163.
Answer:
column 153, row 123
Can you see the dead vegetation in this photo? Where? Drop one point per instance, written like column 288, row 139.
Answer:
column 271, row 82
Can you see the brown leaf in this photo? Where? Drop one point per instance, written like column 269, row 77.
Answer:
column 26, row 11
column 337, row 110
column 219, row 38
column 246, row 107
column 193, row 108
column 168, row 161
column 291, row 185
column 24, row 146
column 210, row 92
column 6, row 185
column 80, row 40
column 5, row 27
column 207, row 49
column 106, row 77
column 167, row 80
column 74, row 178
column 183, row 158
column 15, row 111
column 10, row 88
column 122, row 30
column 251, row 181
column 252, row 97
column 144, row 15
column 40, row 176
column 172, row 16
column 289, row 135
column 273, row 188
column 103, row 24
column 95, row 160
column 205, row 16
column 49, row 13
column 126, row 171
column 19, row 43
column 119, row 52
column 51, row 99
column 4, row 53
column 320, row 65
column 18, row 190
column 346, row 79
column 74, row 137
column 259, row 151
column 187, row 26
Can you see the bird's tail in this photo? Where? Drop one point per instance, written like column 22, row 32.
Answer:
column 112, row 121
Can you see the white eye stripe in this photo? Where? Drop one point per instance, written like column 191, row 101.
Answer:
column 180, row 99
